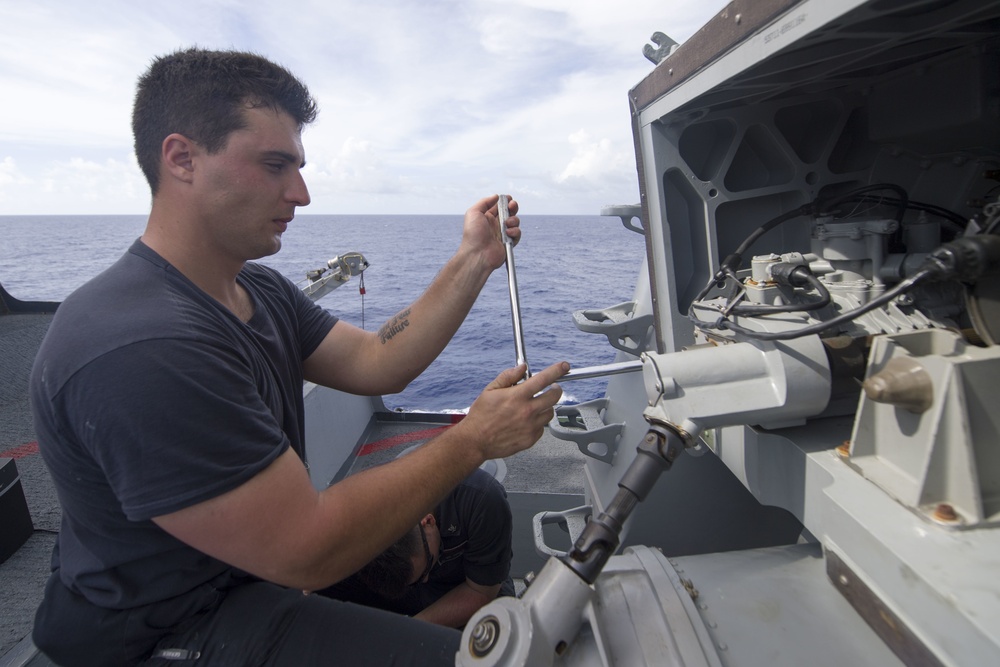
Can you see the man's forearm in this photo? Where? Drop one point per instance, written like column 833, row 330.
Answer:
column 456, row 607
column 414, row 338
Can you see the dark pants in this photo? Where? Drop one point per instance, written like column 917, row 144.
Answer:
column 253, row 624
column 417, row 597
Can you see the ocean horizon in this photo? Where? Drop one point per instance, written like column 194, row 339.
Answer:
column 564, row 263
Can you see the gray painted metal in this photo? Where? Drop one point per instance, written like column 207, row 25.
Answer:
column 769, row 107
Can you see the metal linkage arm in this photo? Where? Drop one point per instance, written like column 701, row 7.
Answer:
column 657, row 452
column 322, row 281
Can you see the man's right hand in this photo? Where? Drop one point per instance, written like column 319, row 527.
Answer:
column 278, row 527
column 509, row 417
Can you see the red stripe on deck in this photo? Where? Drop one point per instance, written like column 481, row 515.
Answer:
column 396, row 440
column 20, row 451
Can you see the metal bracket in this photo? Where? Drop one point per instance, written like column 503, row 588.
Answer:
column 624, row 330
column 573, row 521
column 584, row 424
column 665, row 45
column 626, row 212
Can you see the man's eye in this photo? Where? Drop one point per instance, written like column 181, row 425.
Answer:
column 275, row 166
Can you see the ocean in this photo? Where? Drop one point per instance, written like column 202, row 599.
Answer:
column 563, row 264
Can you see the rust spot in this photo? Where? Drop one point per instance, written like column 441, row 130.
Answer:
column 945, row 512
column 844, row 449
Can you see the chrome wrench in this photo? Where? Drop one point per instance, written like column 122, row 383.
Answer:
column 515, row 304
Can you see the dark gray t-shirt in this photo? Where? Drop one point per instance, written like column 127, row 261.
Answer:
column 475, row 524
column 149, row 397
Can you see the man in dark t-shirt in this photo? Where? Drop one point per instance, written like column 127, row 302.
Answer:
column 449, row 565
column 167, row 398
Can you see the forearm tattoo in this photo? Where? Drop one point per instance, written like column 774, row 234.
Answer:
column 394, row 326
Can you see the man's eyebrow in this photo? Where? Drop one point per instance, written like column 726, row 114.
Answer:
column 287, row 157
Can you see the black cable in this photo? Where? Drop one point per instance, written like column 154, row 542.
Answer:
column 957, row 220
column 966, row 259
column 901, row 204
column 819, row 327
column 765, row 309
column 729, row 265
column 734, row 260
column 768, row 226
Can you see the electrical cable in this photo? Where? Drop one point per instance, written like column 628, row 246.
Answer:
column 729, row 265
column 966, row 260
column 819, row 327
column 956, row 221
column 768, row 309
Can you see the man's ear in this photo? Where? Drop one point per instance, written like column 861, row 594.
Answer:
column 428, row 520
column 177, row 153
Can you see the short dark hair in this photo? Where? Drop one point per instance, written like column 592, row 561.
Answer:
column 203, row 95
column 389, row 573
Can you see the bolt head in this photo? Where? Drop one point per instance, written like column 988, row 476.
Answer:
column 484, row 637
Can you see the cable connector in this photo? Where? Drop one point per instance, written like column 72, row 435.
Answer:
column 793, row 275
column 965, row 259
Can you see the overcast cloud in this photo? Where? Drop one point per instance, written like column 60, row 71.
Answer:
column 425, row 106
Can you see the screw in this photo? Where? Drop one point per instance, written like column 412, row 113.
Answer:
column 945, row 512
column 844, row 449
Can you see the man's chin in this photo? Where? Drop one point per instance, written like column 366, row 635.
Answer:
column 271, row 249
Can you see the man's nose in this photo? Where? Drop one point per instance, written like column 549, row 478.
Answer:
column 298, row 192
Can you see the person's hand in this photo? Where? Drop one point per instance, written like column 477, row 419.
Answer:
column 481, row 233
column 509, row 417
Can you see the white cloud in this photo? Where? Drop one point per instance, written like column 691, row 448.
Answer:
column 110, row 186
column 425, row 106
column 11, row 180
column 592, row 161
column 358, row 167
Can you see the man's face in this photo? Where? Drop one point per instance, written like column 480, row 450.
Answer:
column 248, row 191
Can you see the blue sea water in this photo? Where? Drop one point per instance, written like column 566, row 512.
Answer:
column 563, row 264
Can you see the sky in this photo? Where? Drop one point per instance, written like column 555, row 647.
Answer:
column 425, row 105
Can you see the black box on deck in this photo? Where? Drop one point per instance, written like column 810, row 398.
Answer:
column 15, row 522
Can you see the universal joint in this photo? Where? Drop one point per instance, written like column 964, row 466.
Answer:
column 657, row 452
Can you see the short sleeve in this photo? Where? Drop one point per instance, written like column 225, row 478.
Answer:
column 173, row 423
column 486, row 561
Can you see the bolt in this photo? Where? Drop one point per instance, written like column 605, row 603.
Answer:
column 945, row 512
column 484, row 636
